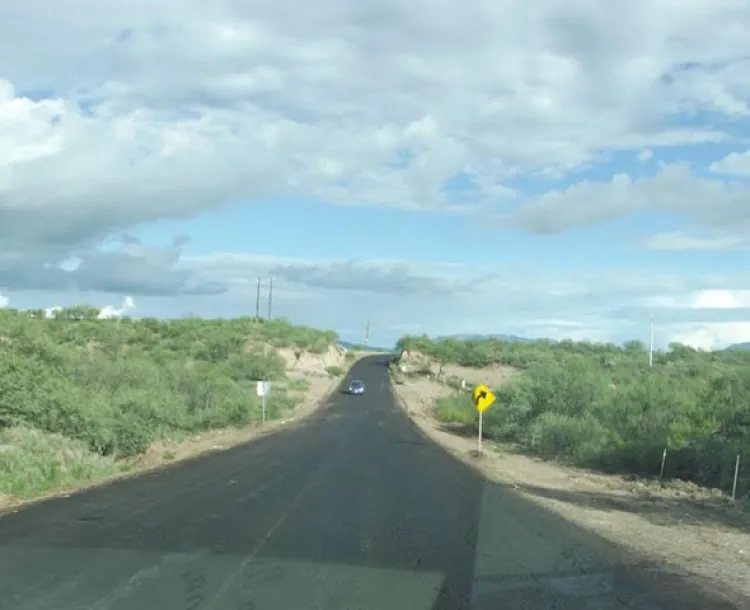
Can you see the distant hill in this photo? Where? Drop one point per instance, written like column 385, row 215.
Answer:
column 739, row 347
column 508, row 338
column 362, row 348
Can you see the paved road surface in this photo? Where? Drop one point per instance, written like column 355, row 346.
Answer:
column 351, row 510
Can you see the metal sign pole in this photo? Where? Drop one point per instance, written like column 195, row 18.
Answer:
column 479, row 438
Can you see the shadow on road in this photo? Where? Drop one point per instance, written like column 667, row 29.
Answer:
column 354, row 509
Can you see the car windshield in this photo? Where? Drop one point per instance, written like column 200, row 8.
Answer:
column 269, row 202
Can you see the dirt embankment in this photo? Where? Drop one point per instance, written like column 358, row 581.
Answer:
column 301, row 364
column 454, row 375
column 674, row 523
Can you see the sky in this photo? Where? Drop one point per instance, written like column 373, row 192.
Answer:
column 561, row 169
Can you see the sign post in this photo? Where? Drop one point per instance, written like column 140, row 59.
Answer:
column 483, row 399
column 263, row 388
column 479, row 438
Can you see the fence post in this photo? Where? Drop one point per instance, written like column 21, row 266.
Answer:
column 663, row 462
column 736, row 475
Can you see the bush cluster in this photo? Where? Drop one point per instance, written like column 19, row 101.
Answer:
column 602, row 405
column 112, row 387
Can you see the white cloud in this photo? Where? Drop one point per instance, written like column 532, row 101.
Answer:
column 105, row 313
column 115, row 115
column 710, row 293
column 4, row 301
column 721, row 299
column 165, row 109
column 49, row 312
column 677, row 240
column 734, row 163
column 124, row 266
column 712, row 336
column 674, row 190
column 110, row 311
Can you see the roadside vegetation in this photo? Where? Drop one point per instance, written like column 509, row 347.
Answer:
column 602, row 406
column 79, row 395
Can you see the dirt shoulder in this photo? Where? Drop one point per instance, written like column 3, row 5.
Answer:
column 676, row 524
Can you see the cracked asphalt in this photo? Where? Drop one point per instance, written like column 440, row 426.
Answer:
column 351, row 509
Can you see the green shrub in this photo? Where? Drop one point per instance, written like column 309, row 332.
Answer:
column 116, row 386
column 456, row 409
column 32, row 462
column 601, row 405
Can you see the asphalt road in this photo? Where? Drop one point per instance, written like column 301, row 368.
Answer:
column 352, row 509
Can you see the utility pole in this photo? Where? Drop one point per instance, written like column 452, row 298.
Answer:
column 367, row 333
column 651, row 343
column 257, row 302
column 270, row 296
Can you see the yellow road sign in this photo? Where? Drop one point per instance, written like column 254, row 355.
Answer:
column 483, row 397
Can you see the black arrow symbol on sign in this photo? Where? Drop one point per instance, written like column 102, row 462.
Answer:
column 481, row 396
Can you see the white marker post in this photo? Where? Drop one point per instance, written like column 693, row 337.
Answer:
column 263, row 388
column 736, row 476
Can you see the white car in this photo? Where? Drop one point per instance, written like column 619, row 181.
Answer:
column 356, row 387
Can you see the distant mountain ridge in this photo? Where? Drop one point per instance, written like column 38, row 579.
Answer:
column 360, row 347
column 738, row 347
column 500, row 337
column 735, row 347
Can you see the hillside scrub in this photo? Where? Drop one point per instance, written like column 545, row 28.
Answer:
column 78, row 394
column 601, row 405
